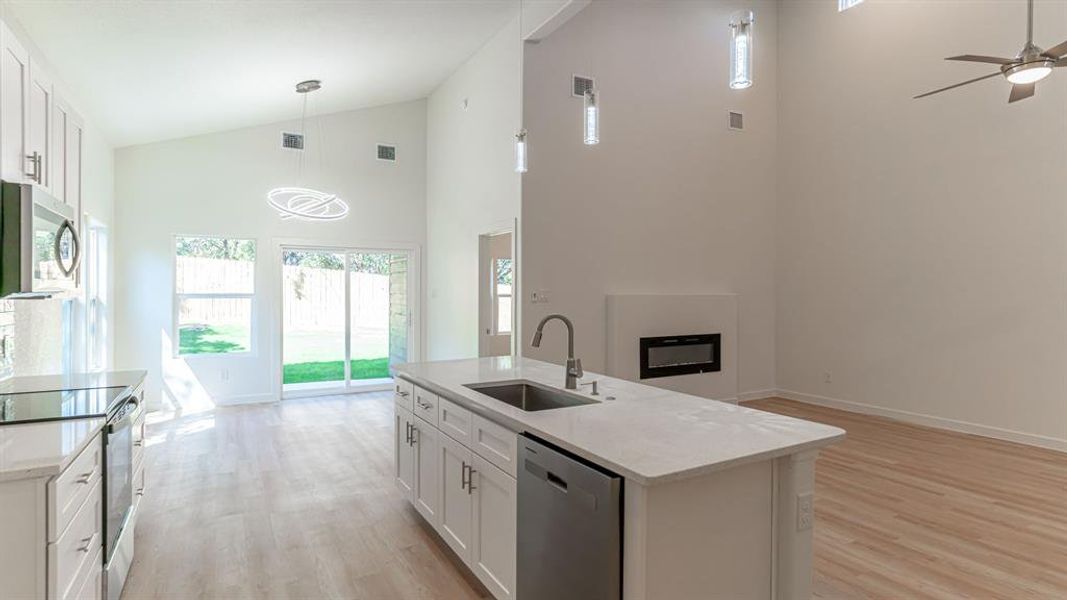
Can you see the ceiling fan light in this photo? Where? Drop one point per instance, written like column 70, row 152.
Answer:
column 1029, row 73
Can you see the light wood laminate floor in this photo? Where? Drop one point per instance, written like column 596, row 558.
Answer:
column 903, row 511
column 296, row 500
column 287, row 500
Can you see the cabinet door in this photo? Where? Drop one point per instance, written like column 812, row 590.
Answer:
column 404, row 454
column 14, row 81
column 427, row 489
column 39, row 126
column 58, row 167
column 456, row 500
column 73, row 162
column 494, row 543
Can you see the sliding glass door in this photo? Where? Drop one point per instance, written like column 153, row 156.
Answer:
column 345, row 317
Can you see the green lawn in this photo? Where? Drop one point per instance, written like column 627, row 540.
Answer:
column 308, row 372
column 212, row 339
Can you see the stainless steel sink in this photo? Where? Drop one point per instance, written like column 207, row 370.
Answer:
column 529, row 396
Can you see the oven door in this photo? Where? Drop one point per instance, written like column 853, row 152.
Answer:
column 119, row 469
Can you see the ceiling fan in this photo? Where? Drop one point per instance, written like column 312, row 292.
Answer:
column 1024, row 71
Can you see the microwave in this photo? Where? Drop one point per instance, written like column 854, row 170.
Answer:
column 40, row 250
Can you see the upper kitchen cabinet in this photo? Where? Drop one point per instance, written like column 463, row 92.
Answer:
column 66, row 145
column 39, row 102
column 14, row 88
column 40, row 131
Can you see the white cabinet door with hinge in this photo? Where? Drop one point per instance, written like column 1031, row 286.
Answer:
column 73, row 162
column 14, row 84
column 493, row 547
column 404, row 465
column 61, row 116
column 457, row 502
column 39, row 127
column 427, row 490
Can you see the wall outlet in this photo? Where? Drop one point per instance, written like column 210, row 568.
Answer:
column 827, row 377
column 539, row 297
column 225, row 374
column 805, row 511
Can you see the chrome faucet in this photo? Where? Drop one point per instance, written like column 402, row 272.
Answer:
column 574, row 365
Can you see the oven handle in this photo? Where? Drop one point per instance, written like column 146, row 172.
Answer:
column 77, row 259
column 127, row 419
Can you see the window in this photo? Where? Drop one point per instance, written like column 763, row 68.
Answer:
column 503, row 275
column 214, row 282
column 96, row 300
column 846, row 4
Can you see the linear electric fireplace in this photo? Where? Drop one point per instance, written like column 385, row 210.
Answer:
column 680, row 355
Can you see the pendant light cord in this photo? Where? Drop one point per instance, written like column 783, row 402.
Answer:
column 521, row 67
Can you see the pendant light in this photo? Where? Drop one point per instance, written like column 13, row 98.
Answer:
column 592, row 118
column 741, row 50
column 294, row 202
column 520, row 136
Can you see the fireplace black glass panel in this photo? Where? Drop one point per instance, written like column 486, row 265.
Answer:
column 680, row 355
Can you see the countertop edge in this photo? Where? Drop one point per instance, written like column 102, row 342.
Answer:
column 645, row 480
column 53, row 469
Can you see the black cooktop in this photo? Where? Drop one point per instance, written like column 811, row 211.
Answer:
column 29, row 407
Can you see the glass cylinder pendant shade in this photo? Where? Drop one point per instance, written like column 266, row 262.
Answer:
column 520, row 151
column 592, row 118
column 741, row 50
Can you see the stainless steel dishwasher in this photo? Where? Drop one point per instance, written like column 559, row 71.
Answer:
column 570, row 526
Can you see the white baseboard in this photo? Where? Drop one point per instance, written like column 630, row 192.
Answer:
column 999, row 433
column 756, row 395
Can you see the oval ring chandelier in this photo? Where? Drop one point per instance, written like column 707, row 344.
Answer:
column 301, row 202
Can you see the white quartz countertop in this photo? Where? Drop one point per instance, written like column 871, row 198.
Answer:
column 32, row 450
column 647, row 434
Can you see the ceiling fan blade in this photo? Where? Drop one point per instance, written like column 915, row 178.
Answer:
column 952, row 87
column 996, row 60
column 1021, row 91
column 1057, row 51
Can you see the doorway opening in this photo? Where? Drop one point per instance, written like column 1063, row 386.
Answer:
column 496, row 294
column 346, row 318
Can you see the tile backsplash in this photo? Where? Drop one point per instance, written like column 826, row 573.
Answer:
column 34, row 337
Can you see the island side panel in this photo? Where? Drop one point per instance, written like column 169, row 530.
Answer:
column 796, row 490
column 708, row 536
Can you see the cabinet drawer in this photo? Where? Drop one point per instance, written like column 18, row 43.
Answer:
column 404, row 394
column 494, row 443
column 70, row 489
column 454, row 421
column 425, row 405
column 78, row 544
column 91, row 579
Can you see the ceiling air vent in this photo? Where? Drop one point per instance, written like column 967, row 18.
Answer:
column 292, row 141
column 387, row 152
column 581, row 85
column 737, row 121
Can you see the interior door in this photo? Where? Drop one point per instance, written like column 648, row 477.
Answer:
column 14, row 78
column 496, row 294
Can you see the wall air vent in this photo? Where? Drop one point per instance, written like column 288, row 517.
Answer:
column 737, row 121
column 387, row 152
column 581, row 85
column 292, row 141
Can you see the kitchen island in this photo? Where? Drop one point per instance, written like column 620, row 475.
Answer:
column 717, row 500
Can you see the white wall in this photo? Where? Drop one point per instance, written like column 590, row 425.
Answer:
column 922, row 244
column 215, row 185
column 670, row 201
column 472, row 187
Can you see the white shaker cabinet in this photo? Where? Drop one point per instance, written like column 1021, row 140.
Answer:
column 14, row 88
column 39, row 127
column 493, row 548
column 404, row 455
column 427, row 490
column 457, row 503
